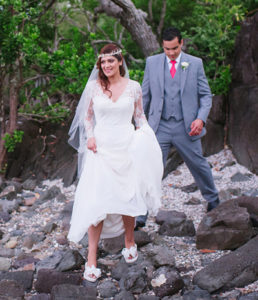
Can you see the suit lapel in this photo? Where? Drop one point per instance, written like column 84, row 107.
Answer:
column 183, row 72
column 161, row 72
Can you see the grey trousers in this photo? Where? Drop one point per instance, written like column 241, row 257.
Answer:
column 172, row 133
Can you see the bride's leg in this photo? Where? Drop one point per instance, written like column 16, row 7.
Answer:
column 93, row 236
column 129, row 223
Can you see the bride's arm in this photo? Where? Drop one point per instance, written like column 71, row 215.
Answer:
column 139, row 116
column 89, row 124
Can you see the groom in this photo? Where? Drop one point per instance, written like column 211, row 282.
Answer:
column 177, row 100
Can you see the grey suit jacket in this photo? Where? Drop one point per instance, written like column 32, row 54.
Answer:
column 195, row 92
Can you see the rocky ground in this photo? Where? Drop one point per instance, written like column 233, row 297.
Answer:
column 33, row 244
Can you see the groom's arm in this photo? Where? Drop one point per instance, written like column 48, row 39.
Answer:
column 146, row 93
column 205, row 101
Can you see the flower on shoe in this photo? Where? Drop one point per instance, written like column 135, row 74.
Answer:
column 184, row 65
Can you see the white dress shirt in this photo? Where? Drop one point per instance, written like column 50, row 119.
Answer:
column 177, row 61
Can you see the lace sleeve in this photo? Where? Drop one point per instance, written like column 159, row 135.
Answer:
column 139, row 116
column 89, row 121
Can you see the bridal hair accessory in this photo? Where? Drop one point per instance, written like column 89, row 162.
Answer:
column 110, row 53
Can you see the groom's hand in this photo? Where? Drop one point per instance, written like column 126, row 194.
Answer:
column 196, row 127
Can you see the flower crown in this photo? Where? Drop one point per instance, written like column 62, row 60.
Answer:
column 110, row 53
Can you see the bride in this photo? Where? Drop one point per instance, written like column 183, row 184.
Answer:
column 120, row 164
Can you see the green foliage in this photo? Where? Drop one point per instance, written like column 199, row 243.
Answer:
column 12, row 140
column 136, row 74
column 211, row 36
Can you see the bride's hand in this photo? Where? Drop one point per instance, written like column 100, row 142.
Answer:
column 91, row 144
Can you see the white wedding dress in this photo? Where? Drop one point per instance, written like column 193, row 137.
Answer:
column 124, row 176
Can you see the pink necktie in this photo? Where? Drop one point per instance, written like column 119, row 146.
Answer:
column 173, row 68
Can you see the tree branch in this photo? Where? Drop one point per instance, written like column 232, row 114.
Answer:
column 162, row 17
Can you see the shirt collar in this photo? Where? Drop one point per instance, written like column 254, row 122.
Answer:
column 177, row 59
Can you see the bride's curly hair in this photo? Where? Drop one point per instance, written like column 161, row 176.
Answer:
column 109, row 48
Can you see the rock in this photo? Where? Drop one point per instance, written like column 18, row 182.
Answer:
column 33, row 239
column 135, row 280
column 236, row 269
column 244, row 85
column 46, row 279
column 161, row 256
column 49, row 227
column 166, row 281
column 9, row 205
column 213, row 141
column 6, row 252
column 50, row 262
column 251, row 204
column 4, row 217
column 70, row 291
column 29, row 184
column 24, row 278
column 62, row 240
column 114, row 245
column 107, row 289
column 251, row 296
column 10, row 289
column 41, row 297
column 29, row 201
column 53, row 192
column 191, row 188
column 61, row 198
column 5, row 264
column 120, row 269
column 124, row 295
column 226, row 227
column 1, row 234
column 148, row 297
column 24, row 260
column 197, row 294
column 12, row 243
column 174, row 223
column 193, row 201
column 173, row 161
column 229, row 163
column 84, row 241
column 72, row 260
column 9, row 192
column 239, row 177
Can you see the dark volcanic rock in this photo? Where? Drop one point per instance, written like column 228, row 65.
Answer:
column 174, row 223
column 41, row 297
column 10, row 289
column 161, row 255
column 243, row 105
column 50, row 262
column 71, row 260
column 135, row 280
column 24, row 278
column 237, row 269
column 166, row 281
column 251, row 204
column 107, row 289
column 124, row 295
column 70, row 291
column 46, row 279
column 226, row 227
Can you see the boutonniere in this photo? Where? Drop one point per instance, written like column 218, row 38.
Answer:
column 184, row 65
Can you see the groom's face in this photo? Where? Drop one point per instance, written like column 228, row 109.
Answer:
column 172, row 48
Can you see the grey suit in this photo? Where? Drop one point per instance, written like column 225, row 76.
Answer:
column 172, row 105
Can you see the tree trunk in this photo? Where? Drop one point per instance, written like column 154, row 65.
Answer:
column 2, row 116
column 133, row 20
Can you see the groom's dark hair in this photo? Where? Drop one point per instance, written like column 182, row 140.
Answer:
column 171, row 33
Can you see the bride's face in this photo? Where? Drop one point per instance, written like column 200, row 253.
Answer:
column 110, row 65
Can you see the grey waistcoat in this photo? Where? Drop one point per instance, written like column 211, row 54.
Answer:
column 172, row 106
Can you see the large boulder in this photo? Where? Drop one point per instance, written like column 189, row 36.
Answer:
column 243, row 104
column 237, row 269
column 228, row 226
column 44, row 153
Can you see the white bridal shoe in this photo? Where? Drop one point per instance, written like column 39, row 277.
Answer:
column 91, row 273
column 130, row 255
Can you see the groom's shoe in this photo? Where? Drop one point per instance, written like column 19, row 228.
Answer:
column 212, row 205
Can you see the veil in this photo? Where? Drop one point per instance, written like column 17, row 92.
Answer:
column 77, row 132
